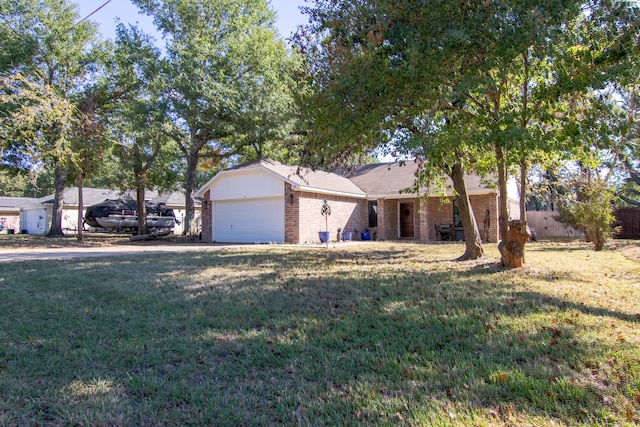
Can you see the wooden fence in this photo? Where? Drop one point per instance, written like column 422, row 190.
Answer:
column 628, row 219
column 546, row 226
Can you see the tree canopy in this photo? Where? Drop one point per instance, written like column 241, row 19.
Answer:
column 222, row 70
column 44, row 65
column 498, row 74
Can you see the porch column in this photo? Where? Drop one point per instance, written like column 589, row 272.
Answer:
column 206, row 216
column 291, row 214
column 423, row 223
column 380, row 230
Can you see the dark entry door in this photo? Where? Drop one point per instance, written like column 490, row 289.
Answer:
column 406, row 221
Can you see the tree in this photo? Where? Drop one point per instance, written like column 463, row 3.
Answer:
column 41, row 125
column 42, row 86
column 589, row 208
column 360, row 96
column 134, row 108
column 219, row 54
column 500, row 70
column 87, row 146
column 628, row 99
column 585, row 176
column 438, row 144
column 12, row 185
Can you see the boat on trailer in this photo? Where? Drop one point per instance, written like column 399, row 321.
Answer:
column 121, row 215
column 131, row 221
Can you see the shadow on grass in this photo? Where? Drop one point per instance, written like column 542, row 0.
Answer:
column 286, row 337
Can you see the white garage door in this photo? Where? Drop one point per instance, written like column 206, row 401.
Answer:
column 249, row 221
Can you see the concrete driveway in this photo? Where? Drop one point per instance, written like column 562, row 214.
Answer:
column 19, row 255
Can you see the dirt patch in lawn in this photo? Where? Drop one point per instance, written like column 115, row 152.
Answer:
column 629, row 248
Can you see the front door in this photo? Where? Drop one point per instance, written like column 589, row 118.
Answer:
column 406, row 221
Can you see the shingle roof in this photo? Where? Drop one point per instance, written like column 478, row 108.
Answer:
column 389, row 179
column 174, row 198
column 309, row 179
column 377, row 180
column 15, row 203
column 92, row 196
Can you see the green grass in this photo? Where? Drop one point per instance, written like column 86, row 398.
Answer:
column 373, row 334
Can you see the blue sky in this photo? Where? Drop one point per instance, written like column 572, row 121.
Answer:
column 289, row 15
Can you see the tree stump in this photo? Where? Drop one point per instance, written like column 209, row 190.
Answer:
column 512, row 250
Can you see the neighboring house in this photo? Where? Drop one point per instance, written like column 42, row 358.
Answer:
column 10, row 213
column 266, row 201
column 35, row 214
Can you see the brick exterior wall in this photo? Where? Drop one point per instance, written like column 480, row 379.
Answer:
column 291, row 214
column 206, row 217
column 440, row 212
column 481, row 205
column 303, row 220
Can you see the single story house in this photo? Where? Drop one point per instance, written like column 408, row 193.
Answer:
column 266, row 201
column 35, row 214
column 10, row 213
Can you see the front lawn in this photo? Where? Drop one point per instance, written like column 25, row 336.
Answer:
column 369, row 334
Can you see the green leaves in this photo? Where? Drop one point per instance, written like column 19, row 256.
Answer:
column 224, row 79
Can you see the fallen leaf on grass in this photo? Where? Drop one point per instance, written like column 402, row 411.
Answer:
column 299, row 415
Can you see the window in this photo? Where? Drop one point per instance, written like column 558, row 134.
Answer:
column 373, row 213
column 457, row 222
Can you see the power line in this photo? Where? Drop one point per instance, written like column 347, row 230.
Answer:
column 92, row 13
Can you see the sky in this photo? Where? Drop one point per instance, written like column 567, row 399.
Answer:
column 288, row 15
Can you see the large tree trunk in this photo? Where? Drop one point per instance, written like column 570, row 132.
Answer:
column 503, row 197
column 190, row 227
column 472, row 239
column 79, row 235
column 142, row 208
column 60, row 181
column 595, row 234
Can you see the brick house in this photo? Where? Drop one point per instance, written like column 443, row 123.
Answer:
column 266, row 201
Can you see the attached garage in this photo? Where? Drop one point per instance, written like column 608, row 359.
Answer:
column 259, row 220
column 269, row 202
